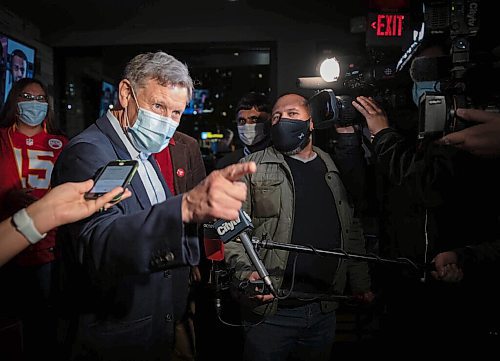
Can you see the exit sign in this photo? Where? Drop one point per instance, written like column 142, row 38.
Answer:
column 388, row 29
column 388, row 25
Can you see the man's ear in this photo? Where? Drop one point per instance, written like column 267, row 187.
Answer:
column 124, row 92
column 311, row 125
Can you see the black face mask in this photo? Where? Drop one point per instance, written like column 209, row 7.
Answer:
column 290, row 136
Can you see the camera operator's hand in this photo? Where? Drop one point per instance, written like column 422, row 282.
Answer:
column 482, row 139
column 263, row 298
column 374, row 115
column 447, row 269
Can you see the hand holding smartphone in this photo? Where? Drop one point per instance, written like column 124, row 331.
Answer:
column 117, row 173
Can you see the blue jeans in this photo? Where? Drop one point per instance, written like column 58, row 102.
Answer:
column 301, row 333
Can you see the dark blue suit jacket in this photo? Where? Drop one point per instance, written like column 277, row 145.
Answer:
column 116, row 282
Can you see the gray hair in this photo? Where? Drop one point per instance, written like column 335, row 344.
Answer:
column 160, row 66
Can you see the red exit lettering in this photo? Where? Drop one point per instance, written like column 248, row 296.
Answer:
column 388, row 25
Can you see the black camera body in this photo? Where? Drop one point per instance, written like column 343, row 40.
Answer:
column 459, row 21
column 333, row 106
column 328, row 109
column 437, row 114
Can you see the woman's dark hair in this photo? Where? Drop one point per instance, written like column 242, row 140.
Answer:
column 8, row 114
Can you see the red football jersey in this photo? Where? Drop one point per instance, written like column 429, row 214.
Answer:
column 27, row 162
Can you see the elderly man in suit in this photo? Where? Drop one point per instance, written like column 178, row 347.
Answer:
column 118, row 287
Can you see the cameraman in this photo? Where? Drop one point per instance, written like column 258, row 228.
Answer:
column 433, row 198
column 484, row 140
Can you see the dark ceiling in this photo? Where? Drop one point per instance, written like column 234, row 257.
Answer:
column 53, row 16
column 58, row 17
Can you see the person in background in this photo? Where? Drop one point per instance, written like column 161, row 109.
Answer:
column 253, row 116
column 118, row 283
column 482, row 139
column 182, row 167
column 29, row 148
column 296, row 196
column 434, row 198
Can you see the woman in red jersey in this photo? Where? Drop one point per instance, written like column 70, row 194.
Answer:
column 29, row 147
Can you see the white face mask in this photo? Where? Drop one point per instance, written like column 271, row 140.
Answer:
column 251, row 134
column 151, row 132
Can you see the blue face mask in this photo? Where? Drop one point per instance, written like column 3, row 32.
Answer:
column 151, row 132
column 32, row 112
column 420, row 87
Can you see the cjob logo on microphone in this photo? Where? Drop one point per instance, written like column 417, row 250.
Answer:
column 227, row 230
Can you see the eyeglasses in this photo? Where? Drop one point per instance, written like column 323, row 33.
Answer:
column 38, row 98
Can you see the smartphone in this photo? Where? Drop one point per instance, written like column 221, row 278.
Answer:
column 117, row 173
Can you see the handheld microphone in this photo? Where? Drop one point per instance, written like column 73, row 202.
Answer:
column 214, row 248
column 229, row 230
column 430, row 68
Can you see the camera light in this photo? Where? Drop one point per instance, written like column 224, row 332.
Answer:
column 329, row 69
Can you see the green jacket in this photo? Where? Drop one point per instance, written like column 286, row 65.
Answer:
column 270, row 204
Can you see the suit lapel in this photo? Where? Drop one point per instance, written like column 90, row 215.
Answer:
column 179, row 154
column 136, row 185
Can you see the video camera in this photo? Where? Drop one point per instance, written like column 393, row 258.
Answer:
column 378, row 81
column 387, row 32
column 328, row 109
column 457, row 22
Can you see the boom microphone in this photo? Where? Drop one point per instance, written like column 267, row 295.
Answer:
column 426, row 68
column 229, row 230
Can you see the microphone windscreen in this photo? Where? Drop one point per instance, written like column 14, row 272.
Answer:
column 430, row 68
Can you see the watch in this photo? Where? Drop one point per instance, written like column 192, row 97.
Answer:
column 24, row 225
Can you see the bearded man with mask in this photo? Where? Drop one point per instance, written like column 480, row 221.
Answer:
column 119, row 292
column 253, row 115
column 296, row 196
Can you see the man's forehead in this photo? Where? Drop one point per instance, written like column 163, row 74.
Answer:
column 289, row 102
column 154, row 88
column 245, row 113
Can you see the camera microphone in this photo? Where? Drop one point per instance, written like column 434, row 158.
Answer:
column 230, row 230
column 425, row 68
column 315, row 82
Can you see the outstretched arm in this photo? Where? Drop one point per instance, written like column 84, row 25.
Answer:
column 63, row 204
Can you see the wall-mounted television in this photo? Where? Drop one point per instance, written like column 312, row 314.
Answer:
column 17, row 62
column 109, row 97
column 198, row 103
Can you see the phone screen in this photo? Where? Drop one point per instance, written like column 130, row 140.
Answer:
column 112, row 177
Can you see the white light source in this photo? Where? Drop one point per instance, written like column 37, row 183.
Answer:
column 329, row 69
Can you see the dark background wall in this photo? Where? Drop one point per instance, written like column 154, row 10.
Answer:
column 81, row 44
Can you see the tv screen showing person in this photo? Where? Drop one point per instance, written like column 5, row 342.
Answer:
column 19, row 63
